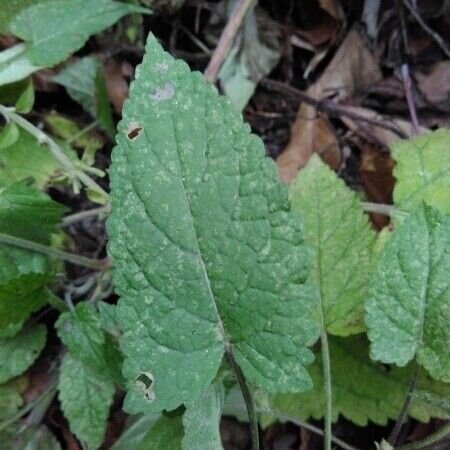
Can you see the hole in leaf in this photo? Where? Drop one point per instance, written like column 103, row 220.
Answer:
column 144, row 382
column 134, row 133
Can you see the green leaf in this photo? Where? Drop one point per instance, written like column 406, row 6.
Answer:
column 10, row 399
column 9, row 135
column 26, row 159
column 85, row 400
column 54, row 29
column 19, row 352
column 12, row 8
column 167, row 432
column 423, row 171
column 207, row 254
column 85, row 83
column 363, row 390
column 340, row 233
column 136, row 428
column 407, row 307
column 15, row 64
column 29, row 214
column 201, row 420
column 82, row 333
column 26, row 101
column 108, row 318
column 254, row 54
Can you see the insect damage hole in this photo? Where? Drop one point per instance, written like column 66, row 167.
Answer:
column 144, row 382
column 133, row 130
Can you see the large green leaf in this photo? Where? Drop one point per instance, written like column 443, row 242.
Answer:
column 84, row 81
column 85, row 400
column 10, row 9
column 201, row 420
column 363, row 390
column 408, row 304
column 81, row 331
column 52, row 30
column 19, row 352
column 339, row 231
column 423, row 171
column 207, row 254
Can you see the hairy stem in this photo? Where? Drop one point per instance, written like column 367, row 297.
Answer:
column 381, row 208
column 428, row 441
column 55, row 150
column 326, row 384
column 95, row 264
column 248, row 398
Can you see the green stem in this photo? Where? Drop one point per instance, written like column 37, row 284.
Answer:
column 55, row 150
column 428, row 441
column 82, row 132
column 79, row 216
column 95, row 264
column 247, row 398
column 326, row 384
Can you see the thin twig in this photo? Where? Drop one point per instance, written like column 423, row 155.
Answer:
column 330, row 107
column 95, row 264
column 79, row 216
column 401, row 417
column 428, row 441
column 246, row 393
column 226, row 39
column 55, row 150
column 430, row 31
column 407, row 83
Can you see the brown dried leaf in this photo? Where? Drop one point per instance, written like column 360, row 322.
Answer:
column 116, row 75
column 333, row 8
column 435, row 85
column 352, row 69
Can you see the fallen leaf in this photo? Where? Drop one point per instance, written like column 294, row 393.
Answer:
column 435, row 86
column 116, row 77
column 333, row 8
column 353, row 69
column 376, row 174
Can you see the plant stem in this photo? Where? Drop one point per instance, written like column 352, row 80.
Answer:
column 326, row 382
column 55, row 150
column 82, row 132
column 401, row 417
column 79, row 216
column 247, row 398
column 428, row 441
column 381, row 208
column 95, row 264
column 226, row 39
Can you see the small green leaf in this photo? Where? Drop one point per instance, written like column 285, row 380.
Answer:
column 85, row 400
column 26, row 159
column 201, row 420
column 136, row 427
column 18, row 437
column 9, row 135
column 207, row 254
column 82, row 333
column 85, row 83
column 54, row 29
column 15, row 64
column 167, row 432
column 108, row 318
column 407, row 307
column 19, row 352
column 26, row 101
column 10, row 400
column 423, row 171
column 340, row 234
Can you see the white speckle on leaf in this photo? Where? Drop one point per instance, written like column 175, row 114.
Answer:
column 161, row 66
column 163, row 93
